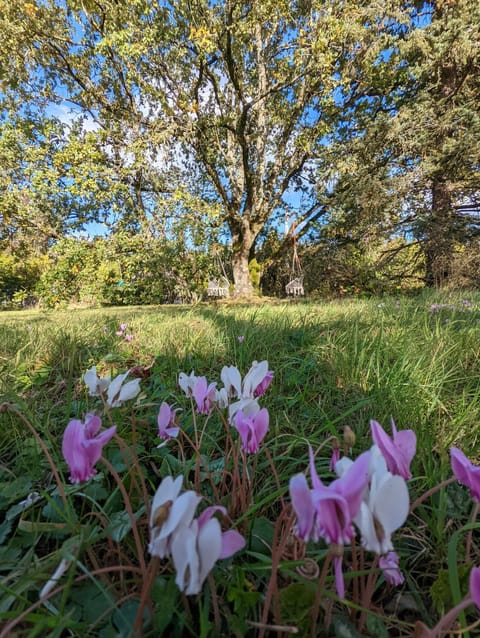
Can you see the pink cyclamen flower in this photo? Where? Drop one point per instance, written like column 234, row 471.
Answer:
column 166, row 422
column 204, row 395
column 252, row 429
column 335, row 457
column 121, row 330
column 398, row 451
column 263, row 385
column 128, row 337
column 475, row 585
column 467, row 473
column 240, row 338
column 82, row 446
column 391, row 572
column 328, row 512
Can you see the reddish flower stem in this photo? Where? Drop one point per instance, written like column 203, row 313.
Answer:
column 4, row 407
column 131, row 515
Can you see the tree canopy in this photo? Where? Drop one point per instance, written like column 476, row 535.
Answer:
column 233, row 114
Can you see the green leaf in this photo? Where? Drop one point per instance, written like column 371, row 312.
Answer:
column 119, row 526
column 343, row 628
column 166, row 596
column 124, row 617
column 5, row 529
column 376, row 627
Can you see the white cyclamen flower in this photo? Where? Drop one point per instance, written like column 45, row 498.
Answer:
column 253, row 378
column 96, row 385
column 187, row 382
column 170, row 510
column 118, row 392
column 385, row 504
column 232, row 380
column 195, row 550
column 249, row 407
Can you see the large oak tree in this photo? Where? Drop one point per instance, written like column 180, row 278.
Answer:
column 239, row 96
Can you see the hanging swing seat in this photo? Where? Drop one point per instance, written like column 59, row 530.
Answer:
column 218, row 288
column 295, row 288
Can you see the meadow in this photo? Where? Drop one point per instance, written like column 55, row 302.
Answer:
column 336, row 365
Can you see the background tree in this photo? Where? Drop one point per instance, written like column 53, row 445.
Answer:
column 240, row 95
column 413, row 134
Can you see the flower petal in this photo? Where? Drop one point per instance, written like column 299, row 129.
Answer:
column 181, row 512
column 300, row 495
column 186, row 560
column 475, row 585
column 168, row 490
column 209, row 545
column 391, row 504
column 92, row 424
column 232, row 542
column 208, row 512
column 460, row 466
column 254, row 377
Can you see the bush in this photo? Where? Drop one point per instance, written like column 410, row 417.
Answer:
column 18, row 279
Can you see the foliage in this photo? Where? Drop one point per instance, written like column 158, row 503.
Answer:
column 18, row 279
column 122, row 270
column 231, row 103
column 412, row 134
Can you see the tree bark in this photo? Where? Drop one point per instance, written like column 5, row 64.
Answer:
column 439, row 237
column 243, row 242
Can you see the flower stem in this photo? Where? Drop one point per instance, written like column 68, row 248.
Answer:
column 8, row 407
column 468, row 542
column 131, row 515
column 430, row 492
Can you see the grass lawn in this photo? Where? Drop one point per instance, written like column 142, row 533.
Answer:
column 335, row 364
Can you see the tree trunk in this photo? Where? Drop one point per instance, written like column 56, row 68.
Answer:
column 242, row 246
column 439, row 236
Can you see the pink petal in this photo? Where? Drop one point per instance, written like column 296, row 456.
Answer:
column 353, row 483
column 475, row 585
column 316, row 482
column 301, row 498
column 243, row 425
column 200, row 389
column 74, row 451
column 333, row 516
column 406, row 441
column 460, row 466
column 208, row 512
column 93, row 447
column 92, row 424
column 263, row 385
column 391, row 572
column 164, row 416
column 385, row 443
column 261, row 421
column 232, row 542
